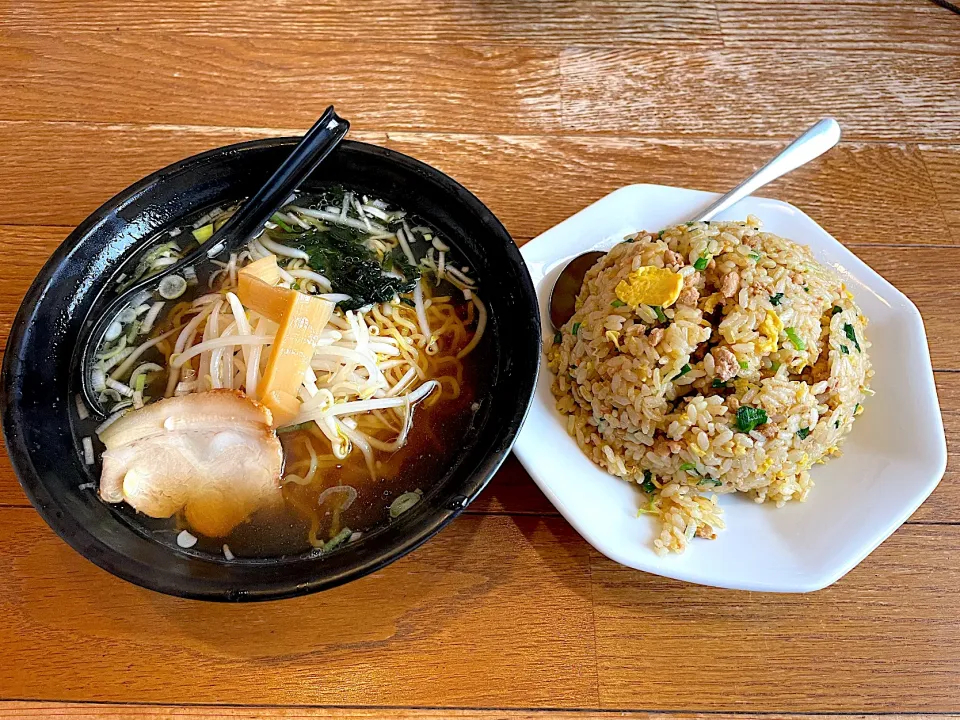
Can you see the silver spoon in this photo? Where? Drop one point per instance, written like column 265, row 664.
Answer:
column 315, row 145
column 812, row 144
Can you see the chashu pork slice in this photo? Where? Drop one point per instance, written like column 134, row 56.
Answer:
column 212, row 454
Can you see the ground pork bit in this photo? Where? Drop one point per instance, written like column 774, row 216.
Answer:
column 725, row 363
column 664, row 447
column 689, row 296
column 672, row 260
column 655, row 336
column 706, row 531
column 768, row 430
column 730, row 283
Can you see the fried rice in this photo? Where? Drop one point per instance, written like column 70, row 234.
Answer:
column 753, row 375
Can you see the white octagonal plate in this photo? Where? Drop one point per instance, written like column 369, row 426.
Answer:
column 892, row 460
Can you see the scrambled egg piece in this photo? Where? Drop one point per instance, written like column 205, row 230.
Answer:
column 711, row 302
column 769, row 332
column 614, row 337
column 650, row 286
column 767, row 464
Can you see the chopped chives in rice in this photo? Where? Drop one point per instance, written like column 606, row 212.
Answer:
column 795, row 339
column 851, row 335
column 683, row 371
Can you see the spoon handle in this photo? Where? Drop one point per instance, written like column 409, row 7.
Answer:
column 812, row 144
column 317, row 143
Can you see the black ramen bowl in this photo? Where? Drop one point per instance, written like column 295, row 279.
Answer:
column 40, row 383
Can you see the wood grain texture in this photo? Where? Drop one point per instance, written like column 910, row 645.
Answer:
column 438, row 628
column 884, row 636
column 95, row 711
column 530, row 182
column 516, row 22
column 760, row 93
column 247, row 82
column 539, row 108
column 894, row 25
column 418, row 632
column 943, row 166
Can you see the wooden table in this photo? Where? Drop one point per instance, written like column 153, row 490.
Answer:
column 539, row 107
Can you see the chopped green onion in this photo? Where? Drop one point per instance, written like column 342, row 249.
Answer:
column 710, row 481
column 774, row 365
column 404, row 503
column 855, row 408
column 687, row 467
column 647, row 485
column 795, row 339
column 851, row 335
column 659, row 311
column 844, row 350
column 683, row 371
column 277, row 220
column 718, row 383
column 557, row 337
column 744, row 365
column 617, row 304
column 576, row 328
column 837, row 424
column 806, row 288
column 203, row 233
column 702, row 262
column 749, row 418
column 172, row 287
column 660, row 235
column 836, row 309
column 690, row 223
column 337, row 539
column 755, row 256
column 802, row 433
column 775, row 299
